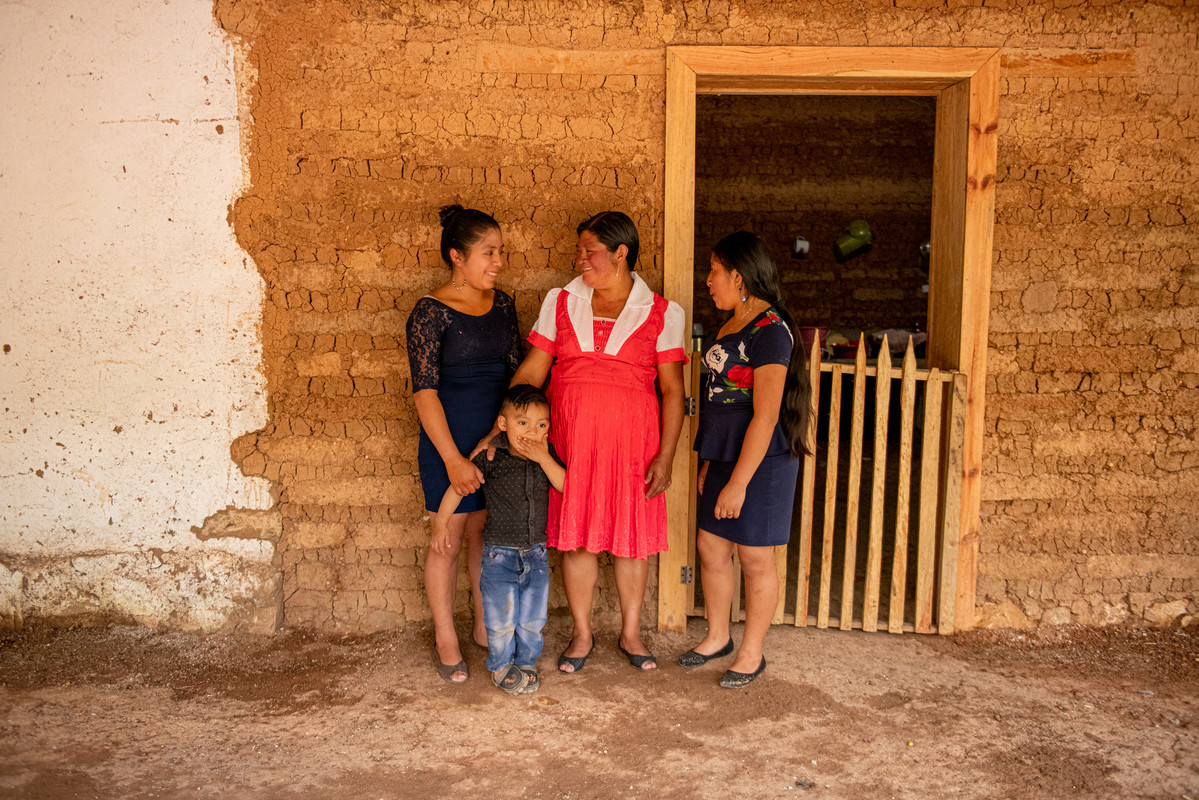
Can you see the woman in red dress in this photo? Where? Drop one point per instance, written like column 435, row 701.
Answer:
column 606, row 338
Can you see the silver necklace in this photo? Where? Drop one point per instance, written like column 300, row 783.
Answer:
column 743, row 314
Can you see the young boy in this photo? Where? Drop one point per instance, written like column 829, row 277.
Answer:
column 516, row 576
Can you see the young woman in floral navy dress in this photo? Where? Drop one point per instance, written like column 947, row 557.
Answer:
column 755, row 417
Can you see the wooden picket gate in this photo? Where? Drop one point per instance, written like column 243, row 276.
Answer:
column 936, row 500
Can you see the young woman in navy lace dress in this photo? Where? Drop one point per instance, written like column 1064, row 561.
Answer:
column 752, row 432
column 463, row 347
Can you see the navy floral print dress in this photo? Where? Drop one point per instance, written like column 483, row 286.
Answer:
column 765, row 518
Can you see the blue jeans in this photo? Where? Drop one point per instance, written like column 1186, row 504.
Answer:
column 515, row 585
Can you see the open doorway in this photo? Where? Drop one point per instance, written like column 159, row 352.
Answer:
column 964, row 82
column 803, row 169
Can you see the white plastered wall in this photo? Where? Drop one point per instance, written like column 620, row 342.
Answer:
column 128, row 318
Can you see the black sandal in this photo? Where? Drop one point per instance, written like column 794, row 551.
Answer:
column 692, row 659
column 739, row 680
column 576, row 663
column 637, row 661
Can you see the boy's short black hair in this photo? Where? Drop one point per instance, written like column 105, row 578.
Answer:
column 523, row 395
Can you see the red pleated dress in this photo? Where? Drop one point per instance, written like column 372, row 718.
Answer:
column 605, row 420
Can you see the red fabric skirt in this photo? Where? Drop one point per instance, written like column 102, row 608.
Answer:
column 605, row 425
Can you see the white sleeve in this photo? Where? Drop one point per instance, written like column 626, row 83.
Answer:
column 672, row 336
column 545, row 329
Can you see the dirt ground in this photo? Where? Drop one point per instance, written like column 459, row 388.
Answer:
column 127, row 712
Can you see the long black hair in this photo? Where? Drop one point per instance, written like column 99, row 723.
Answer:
column 614, row 228
column 747, row 254
column 462, row 228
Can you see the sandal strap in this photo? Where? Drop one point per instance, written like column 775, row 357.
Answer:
column 512, row 680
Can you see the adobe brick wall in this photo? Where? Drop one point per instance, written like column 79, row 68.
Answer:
column 368, row 116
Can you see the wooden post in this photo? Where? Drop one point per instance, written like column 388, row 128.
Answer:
column 679, row 286
column 976, row 307
column 960, row 280
column 930, row 469
column 696, row 372
column 853, row 492
column 899, row 564
column 950, row 551
column 874, row 553
column 830, row 496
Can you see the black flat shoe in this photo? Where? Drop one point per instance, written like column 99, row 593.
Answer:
column 637, row 661
column 739, row 680
column 692, row 659
column 576, row 662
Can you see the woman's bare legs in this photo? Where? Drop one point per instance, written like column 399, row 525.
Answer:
column 716, row 572
column 441, row 583
column 761, row 598
column 580, row 570
column 632, row 574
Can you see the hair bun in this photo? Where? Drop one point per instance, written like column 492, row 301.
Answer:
column 447, row 213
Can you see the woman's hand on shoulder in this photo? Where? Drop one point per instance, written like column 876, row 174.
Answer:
column 657, row 475
column 465, row 477
column 485, row 444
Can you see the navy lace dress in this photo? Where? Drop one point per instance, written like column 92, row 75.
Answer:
column 469, row 360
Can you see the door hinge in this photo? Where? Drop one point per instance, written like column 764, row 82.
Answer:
column 686, row 575
column 689, row 406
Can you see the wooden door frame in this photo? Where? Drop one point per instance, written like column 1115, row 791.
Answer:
column 965, row 82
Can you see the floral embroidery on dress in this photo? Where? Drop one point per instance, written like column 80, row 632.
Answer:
column 738, row 380
column 732, row 376
column 715, row 358
column 742, row 376
column 771, row 316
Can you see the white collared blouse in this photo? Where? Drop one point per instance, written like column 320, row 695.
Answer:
column 635, row 313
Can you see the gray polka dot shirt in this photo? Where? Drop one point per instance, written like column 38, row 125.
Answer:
column 517, row 493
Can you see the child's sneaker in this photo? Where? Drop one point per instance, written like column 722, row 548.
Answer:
column 512, row 679
column 534, row 681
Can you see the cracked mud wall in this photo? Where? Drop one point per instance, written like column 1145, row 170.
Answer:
column 366, row 116
column 130, row 324
column 367, row 119
column 131, row 330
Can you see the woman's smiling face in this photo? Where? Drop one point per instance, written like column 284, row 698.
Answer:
column 595, row 262
column 481, row 265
